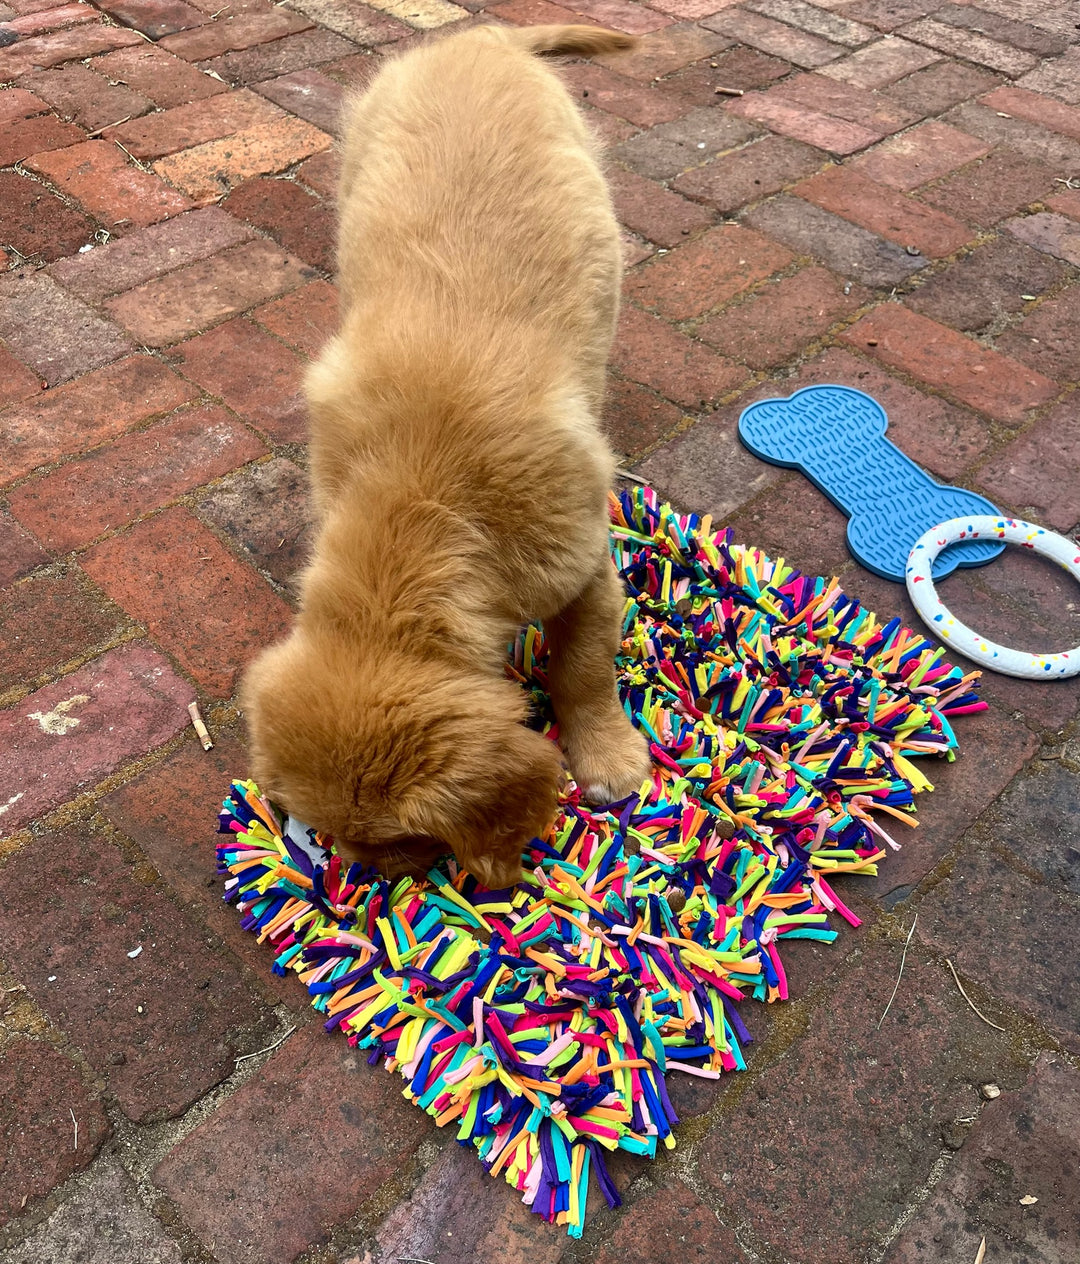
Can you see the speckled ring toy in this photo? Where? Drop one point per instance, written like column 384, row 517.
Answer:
column 920, row 586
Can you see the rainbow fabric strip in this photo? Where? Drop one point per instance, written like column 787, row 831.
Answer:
column 540, row 1022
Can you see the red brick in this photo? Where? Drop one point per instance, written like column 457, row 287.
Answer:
column 155, row 17
column 845, row 248
column 259, row 1145
column 20, row 553
column 880, row 63
column 911, row 1077
column 168, row 131
column 1067, row 202
column 85, row 98
column 992, row 383
column 174, row 575
column 670, row 1223
column 635, row 19
column 1023, row 1143
column 204, row 293
column 976, row 48
column 16, row 380
column 48, row 621
column 1040, row 470
column 779, row 321
column 254, row 374
column 887, row 15
column 304, row 319
column 924, row 153
column 1044, row 591
column 1057, row 77
column 972, row 18
column 606, row 90
column 177, row 1013
column 86, row 412
column 36, row 223
column 691, row 10
column 881, row 210
column 42, row 51
column 750, row 174
column 56, row 334
column 1034, row 817
column 1004, row 182
column 166, row 80
column 636, row 419
column 208, row 171
column 845, row 101
column 232, row 33
column 98, row 175
column 1062, row 153
column 1046, row 339
column 264, row 509
column 51, row 19
column 651, row 352
column 19, row 140
column 814, row 539
column 775, row 38
column 835, row 135
column 19, row 103
column 280, row 57
column 707, row 273
column 532, row 13
column 976, row 290
column 671, row 148
column 653, row 211
column 139, row 472
column 660, row 52
column 150, row 252
column 320, row 173
column 1033, row 107
column 935, row 89
column 69, row 735
column 33, row 1161
column 608, row 129
column 816, row 20
column 308, row 94
column 361, row 23
column 303, row 224
column 1052, row 234
column 739, row 67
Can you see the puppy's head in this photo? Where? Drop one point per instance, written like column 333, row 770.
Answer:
column 399, row 759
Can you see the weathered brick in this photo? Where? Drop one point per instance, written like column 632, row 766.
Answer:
column 68, row 735
column 845, row 248
column 320, row 173
column 1067, row 202
column 58, row 335
column 977, row 48
column 166, row 80
column 86, row 412
column 635, row 19
column 1051, row 234
column 815, row 19
column 627, row 98
column 280, row 57
column 798, row 47
column 940, row 86
column 253, row 373
column 86, row 98
column 151, row 252
column 33, row 1160
column 308, row 94
column 16, row 380
column 635, row 418
column 1042, row 590
column 49, row 620
column 923, row 153
column 1040, row 470
column 1023, row 1143
column 670, row 148
column 660, row 52
column 1057, row 77
column 28, row 136
column 887, row 15
column 1046, row 340
column 361, row 23
column 36, row 223
column 97, row 174
column 692, row 10
column 608, row 129
column 835, row 135
column 170, row 572
column 183, row 302
column 779, row 321
column 992, row 383
column 970, row 17
column 1035, row 819
column 177, row 1012
column 912, row 1077
column 20, row 103
column 20, row 553
column 168, row 131
column 706, row 273
column 653, row 211
column 750, row 174
column 881, row 63
column 258, row 1144
column 1004, row 182
column 303, row 224
column 208, row 171
column 304, row 319
column 42, row 51
column 113, row 485
column 155, row 17
column 106, row 1210
column 48, row 19
column 845, row 101
column 976, row 290
column 739, row 67
column 814, row 537
column 1062, row 153
column 847, row 192
column 649, row 351
column 241, row 31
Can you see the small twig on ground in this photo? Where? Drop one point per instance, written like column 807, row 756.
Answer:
column 200, row 727
column 981, row 1253
column 105, row 128
column 633, row 478
column 903, row 959
column 967, row 998
column 728, row 92
column 76, row 1123
column 269, row 1048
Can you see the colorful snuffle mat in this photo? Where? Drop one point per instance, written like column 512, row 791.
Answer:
column 540, row 1022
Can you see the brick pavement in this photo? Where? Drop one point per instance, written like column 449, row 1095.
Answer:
column 892, row 202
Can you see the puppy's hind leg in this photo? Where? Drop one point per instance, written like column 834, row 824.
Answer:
column 608, row 757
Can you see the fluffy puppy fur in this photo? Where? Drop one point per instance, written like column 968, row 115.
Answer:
column 458, row 470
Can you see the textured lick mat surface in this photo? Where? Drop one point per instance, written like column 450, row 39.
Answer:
column 540, row 1022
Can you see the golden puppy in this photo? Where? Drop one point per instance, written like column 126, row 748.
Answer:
column 459, row 473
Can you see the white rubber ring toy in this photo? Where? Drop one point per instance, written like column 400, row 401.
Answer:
column 920, row 586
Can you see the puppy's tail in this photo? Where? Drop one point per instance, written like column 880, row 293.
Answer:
column 584, row 40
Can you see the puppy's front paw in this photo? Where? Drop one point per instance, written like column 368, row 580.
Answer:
column 609, row 764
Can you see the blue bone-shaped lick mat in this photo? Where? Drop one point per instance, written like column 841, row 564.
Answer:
column 836, row 436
